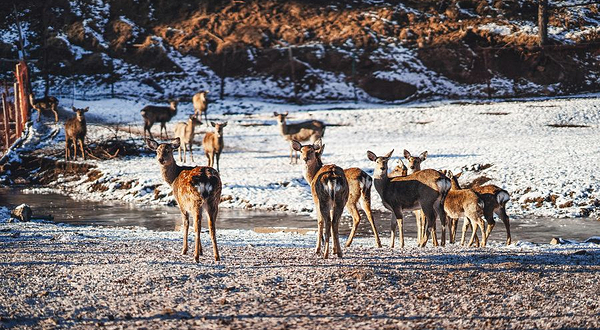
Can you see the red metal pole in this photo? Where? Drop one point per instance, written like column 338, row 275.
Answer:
column 17, row 111
column 5, row 121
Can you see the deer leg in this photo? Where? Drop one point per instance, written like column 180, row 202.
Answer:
column 206, row 117
column 67, row 149
column 55, row 115
column 291, row 155
column 355, row 221
column 164, row 126
column 474, row 234
column 39, row 111
column 484, row 237
column 429, row 219
column 212, row 220
column 366, row 205
column 419, row 231
column 490, row 226
column 327, row 225
column 185, row 222
column 504, row 217
column 400, row 222
column 335, row 227
column 81, row 146
column 465, row 227
column 394, row 226
column 319, row 234
column 191, row 152
column 218, row 155
column 197, row 244
column 179, row 151
column 74, row 148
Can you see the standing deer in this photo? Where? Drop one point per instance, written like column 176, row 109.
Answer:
column 399, row 170
column 309, row 130
column 153, row 114
column 426, row 189
column 48, row 103
column 414, row 163
column 494, row 200
column 213, row 143
column 196, row 189
column 359, row 185
column 463, row 203
column 185, row 132
column 201, row 105
column 75, row 131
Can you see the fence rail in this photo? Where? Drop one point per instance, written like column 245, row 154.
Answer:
column 15, row 108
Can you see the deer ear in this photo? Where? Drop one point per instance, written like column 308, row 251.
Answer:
column 296, row 145
column 153, row 145
column 406, row 154
column 458, row 175
column 86, row 109
column 286, row 113
column 372, row 157
column 175, row 143
column 400, row 162
column 389, row 154
column 275, row 114
column 224, row 124
column 448, row 173
column 74, row 109
column 212, row 123
column 423, row 155
column 320, row 150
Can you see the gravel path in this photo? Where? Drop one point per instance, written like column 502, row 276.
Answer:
column 56, row 276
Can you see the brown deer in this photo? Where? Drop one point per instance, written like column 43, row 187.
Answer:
column 463, row 203
column 426, row 189
column 359, row 185
column 196, row 189
column 48, row 103
column 75, row 131
column 185, row 132
column 494, row 200
column 200, row 102
column 414, row 163
column 309, row 130
column 399, row 170
column 152, row 114
column 213, row 143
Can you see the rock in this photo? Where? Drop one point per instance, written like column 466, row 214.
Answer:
column 556, row 241
column 22, row 212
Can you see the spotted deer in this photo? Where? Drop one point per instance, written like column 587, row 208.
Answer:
column 152, row 114
column 200, row 102
column 185, row 132
column 48, row 103
column 75, row 132
column 213, row 143
column 359, row 185
column 463, row 203
column 196, row 189
column 426, row 189
column 311, row 130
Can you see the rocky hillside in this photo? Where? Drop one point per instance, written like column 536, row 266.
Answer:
column 305, row 50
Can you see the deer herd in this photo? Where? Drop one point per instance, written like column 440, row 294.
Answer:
column 431, row 194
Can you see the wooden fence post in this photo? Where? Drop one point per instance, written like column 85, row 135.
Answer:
column 16, row 111
column 543, row 22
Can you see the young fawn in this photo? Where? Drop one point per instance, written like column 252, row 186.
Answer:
column 463, row 203
column 152, row 114
column 312, row 130
column 359, row 185
column 196, row 189
column 75, row 131
column 213, row 143
column 426, row 189
column 185, row 132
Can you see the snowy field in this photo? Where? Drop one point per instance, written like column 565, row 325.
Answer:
column 549, row 171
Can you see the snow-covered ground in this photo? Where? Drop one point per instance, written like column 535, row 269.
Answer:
column 549, row 171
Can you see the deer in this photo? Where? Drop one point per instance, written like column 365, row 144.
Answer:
column 48, row 103
column 359, row 185
column 213, row 143
column 329, row 188
column 75, row 131
column 494, row 200
column 153, row 113
column 399, row 170
column 463, row 203
column 425, row 189
column 414, row 163
column 196, row 190
column 308, row 130
column 185, row 132
column 201, row 105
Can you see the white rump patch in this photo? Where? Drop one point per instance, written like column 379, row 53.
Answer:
column 204, row 188
column 502, row 197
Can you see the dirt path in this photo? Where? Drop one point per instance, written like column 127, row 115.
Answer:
column 84, row 277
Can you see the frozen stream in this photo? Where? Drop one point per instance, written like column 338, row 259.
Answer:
column 163, row 218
